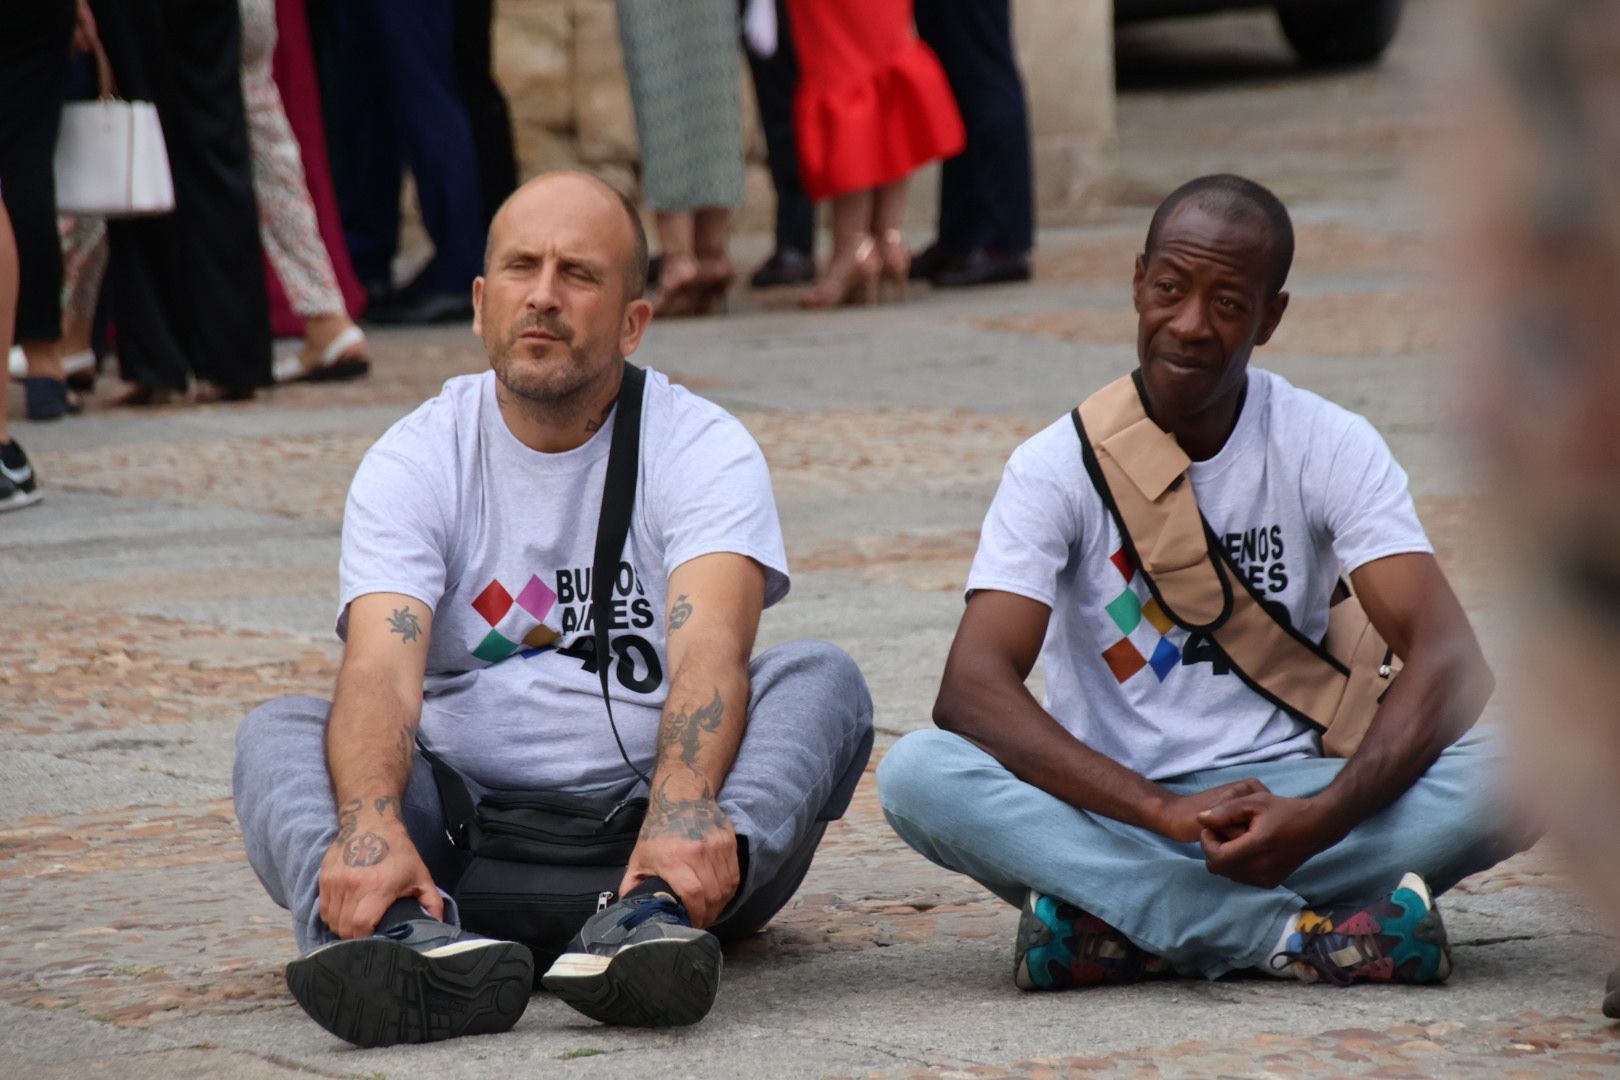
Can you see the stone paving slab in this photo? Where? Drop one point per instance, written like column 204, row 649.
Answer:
column 183, row 568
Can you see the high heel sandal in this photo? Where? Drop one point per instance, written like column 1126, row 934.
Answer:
column 896, row 259
column 855, row 283
column 680, row 299
column 714, row 290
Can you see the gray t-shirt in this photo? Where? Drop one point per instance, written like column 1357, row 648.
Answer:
column 1301, row 489
column 498, row 540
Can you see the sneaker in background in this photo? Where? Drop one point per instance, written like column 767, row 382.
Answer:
column 18, row 487
column 639, row 962
column 1399, row 938
column 418, row 980
column 1059, row 947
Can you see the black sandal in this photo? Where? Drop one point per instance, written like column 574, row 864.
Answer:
column 49, row 399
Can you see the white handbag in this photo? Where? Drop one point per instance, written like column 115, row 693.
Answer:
column 111, row 160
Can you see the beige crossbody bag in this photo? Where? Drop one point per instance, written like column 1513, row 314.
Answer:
column 1141, row 473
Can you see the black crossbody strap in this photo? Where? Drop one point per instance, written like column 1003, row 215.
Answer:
column 454, row 797
column 613, row 527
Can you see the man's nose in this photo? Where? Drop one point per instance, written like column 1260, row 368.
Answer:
column 1190, row 321
column 543, row 295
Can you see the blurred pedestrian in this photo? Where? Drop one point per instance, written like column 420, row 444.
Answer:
column 871, row 106
column 986, row 212
column 34, row 40
column 334, row 347
column 299, row 86
column 188, row 285
column 681, row 57
column 487, row 114
column 18, row 485
column 1540, row 197
column 775, row 76
column 399, row 103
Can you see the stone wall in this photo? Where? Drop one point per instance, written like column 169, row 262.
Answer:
column 560, row 65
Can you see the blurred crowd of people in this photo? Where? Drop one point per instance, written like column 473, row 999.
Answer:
column 289, row 126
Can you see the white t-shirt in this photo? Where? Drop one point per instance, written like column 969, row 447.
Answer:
column 498, row 540
column 1301, row 489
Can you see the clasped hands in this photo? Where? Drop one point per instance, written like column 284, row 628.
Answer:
column 1248, row 834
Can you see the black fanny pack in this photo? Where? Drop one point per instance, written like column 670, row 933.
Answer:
column 542, row 862
column 539, row 862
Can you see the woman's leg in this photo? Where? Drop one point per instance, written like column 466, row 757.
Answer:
column 678, row 278
column 853, row 260
column 711, row 229
column 888, row 207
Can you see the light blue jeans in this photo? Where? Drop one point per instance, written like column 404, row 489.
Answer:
column 963, row 810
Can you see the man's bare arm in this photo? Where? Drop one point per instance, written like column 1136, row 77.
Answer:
column 714, row 607
column 982, row 697
column 1438, row 696
column 370, row 749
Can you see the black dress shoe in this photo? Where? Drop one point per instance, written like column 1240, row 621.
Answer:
column 417, row 308
column 934, row 260
column 985, row 267
column 786, row 266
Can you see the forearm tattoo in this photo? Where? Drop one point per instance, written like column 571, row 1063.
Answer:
column 682, row 734
column 679, row 613
column 407, row 745
column 403, row 622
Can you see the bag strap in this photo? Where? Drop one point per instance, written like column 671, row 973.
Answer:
column 1142, row 476
column 454, row 798
column 613, row 527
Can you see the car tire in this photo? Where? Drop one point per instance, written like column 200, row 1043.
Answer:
column 1328, row 33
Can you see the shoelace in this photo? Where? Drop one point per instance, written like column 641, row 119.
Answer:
column 659, row 904
column 1317, row 949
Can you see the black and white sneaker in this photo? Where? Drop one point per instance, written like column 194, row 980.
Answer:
column 641, row 963
column 419, row 980
column 18, row 488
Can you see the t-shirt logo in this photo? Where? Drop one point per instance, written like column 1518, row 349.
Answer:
column 1144, row 625
column 515, row 623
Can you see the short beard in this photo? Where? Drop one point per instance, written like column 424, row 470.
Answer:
column 561, row 403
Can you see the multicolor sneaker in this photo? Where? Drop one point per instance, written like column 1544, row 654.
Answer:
column 419, row 980
column 639, row 962
column 1397, row 939
column 1059, row 947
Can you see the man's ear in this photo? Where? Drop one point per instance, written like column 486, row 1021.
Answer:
column 637, row 314
column 1273, row 316
column 478, row 306
column 1136, row 282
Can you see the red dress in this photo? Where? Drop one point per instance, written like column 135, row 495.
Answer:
column 872, row 102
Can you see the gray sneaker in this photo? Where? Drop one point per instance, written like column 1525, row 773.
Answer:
column 639, row 962
column 419, row 980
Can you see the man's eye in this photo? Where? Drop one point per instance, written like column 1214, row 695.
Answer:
column 1166, row 287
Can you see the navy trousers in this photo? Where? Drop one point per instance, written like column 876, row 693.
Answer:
column 986, row 191
column 400, row 104
column 775, row 78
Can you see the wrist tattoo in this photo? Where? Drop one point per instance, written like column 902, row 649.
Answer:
column 348, row 819
column 387, row 804
column 403, row 622
column 367, row 849
column 684, row 818
column 679, row 613
column 407, row 745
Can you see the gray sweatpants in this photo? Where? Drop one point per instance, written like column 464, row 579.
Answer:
column 808, row 739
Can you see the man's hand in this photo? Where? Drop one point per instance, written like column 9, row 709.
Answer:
column 689, row 842
column 1179, row 817
column 371, row 864
column 1261, row 839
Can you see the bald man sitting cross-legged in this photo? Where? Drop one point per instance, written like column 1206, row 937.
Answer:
column 467, row 617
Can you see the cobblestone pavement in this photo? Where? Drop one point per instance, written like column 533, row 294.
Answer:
column 183, row 567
